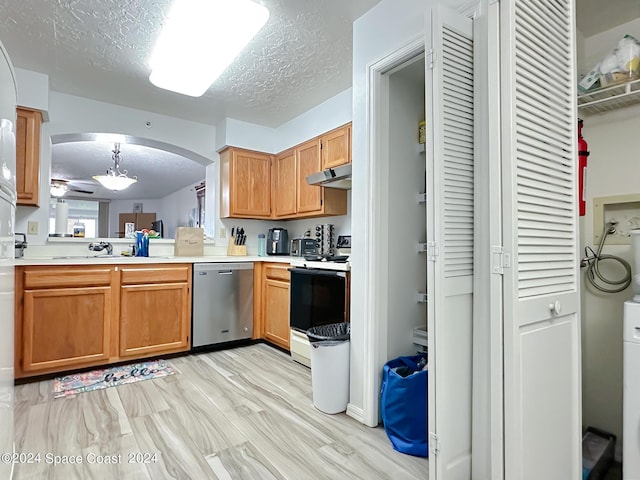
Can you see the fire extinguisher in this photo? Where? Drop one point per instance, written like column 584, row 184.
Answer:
column 583, row 153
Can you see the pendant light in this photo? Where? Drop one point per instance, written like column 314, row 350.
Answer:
column 114, row 179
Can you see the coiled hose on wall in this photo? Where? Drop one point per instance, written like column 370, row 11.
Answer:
column 592, row 260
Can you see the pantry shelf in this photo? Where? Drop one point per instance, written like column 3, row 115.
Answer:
column 609, row 98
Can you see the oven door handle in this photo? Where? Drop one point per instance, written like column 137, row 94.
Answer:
column 317, row 271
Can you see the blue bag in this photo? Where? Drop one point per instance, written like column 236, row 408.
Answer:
column 403, row 404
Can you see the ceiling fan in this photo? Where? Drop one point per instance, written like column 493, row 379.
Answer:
column 59, row 187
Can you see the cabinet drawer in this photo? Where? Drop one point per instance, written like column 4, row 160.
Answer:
column 66, row 277
column 155, row 274
column 279, row 271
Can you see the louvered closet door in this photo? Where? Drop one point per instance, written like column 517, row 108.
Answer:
column 541, row 312
column 450, row 172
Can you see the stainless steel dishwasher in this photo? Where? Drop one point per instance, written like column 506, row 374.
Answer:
column 222, row 303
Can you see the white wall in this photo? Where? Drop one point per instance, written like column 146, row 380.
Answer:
column 248, row 135
column 177, row 210
column 33, row 90
column 328, row 115
column 70, row 114
column 612, row 170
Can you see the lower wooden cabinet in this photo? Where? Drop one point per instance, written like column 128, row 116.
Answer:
column 68, row 326
column 154, row 316
column 275, row 303
column 71, row 317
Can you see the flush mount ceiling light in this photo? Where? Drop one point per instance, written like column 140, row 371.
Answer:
column 200, row 39
column 114, row 179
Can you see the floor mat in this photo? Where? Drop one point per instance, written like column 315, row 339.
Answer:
column 110, row 377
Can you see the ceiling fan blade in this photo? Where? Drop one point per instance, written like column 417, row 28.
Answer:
column 81, row 191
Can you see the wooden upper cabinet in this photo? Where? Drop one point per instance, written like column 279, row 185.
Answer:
column 309, row 196
column 245, row 184
column 285, row 184
column 28, row 156
column 336, row 147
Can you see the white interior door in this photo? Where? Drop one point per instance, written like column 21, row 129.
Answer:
column 542, row 415
column 450, row 236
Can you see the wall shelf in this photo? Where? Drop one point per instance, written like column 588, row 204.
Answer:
column 609, row 98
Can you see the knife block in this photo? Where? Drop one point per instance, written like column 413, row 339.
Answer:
column 234, row 250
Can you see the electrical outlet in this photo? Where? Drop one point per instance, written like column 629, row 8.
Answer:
column 223, row 232
column 32, row 228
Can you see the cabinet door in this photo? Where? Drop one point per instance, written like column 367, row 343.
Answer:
column 450, row 163
column 541, row 304
column 154, row 318
column 250, row 184
column 308, row 159
column 66, row 327
column 276, row 312
column 336, row 147
column 28, row 156
column 284, row 191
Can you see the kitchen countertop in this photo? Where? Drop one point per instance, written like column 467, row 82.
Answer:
column 124, row 260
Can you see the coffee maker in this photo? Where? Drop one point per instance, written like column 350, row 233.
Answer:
column 278, row 241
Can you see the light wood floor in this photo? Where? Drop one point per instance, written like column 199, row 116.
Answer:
column 244, row 413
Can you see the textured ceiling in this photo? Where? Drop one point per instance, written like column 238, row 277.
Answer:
column 159, row 172
column 596, row 16
column 100, row 49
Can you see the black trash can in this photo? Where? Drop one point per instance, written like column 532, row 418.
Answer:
column 330, row 366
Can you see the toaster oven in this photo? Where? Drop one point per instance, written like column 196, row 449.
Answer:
column 303, row 246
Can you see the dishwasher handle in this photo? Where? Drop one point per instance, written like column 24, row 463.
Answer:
column 225, row 272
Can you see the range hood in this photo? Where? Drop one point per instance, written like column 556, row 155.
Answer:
column 339, row 177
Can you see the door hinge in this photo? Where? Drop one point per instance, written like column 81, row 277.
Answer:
column 500, row 260
column 431, row 59
column 434, row 443
column 432, row 251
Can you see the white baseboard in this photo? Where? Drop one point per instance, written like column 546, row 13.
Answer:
column 355, row 412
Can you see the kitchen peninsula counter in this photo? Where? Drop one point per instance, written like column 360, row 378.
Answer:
column 90, row 260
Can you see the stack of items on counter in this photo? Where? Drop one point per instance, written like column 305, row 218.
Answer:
column 620, row 65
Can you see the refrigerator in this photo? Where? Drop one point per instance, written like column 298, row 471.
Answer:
column 7, row 252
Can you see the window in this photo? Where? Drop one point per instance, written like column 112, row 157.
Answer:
column 92, row 213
